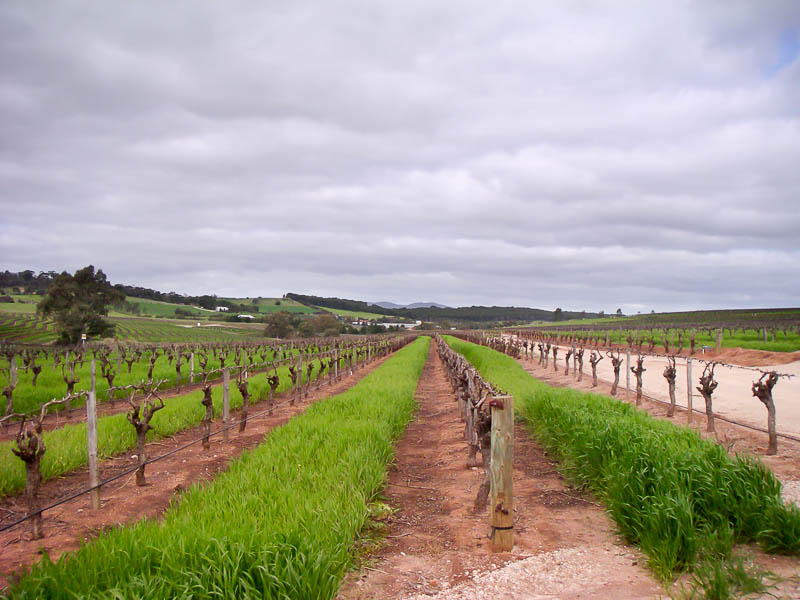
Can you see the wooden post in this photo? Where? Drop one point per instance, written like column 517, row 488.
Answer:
column 300, row 378
column 12, row 374
column 627, row 373
column 688, row 390
column 501, row 474
column 226, row 402
column 336, row 364
column 719, row 339
column 91, row 438
column 191, row 368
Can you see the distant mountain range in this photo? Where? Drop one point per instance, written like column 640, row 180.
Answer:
column 414, row 305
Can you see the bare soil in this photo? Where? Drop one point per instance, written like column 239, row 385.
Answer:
column 69, row 524
column 437, row 546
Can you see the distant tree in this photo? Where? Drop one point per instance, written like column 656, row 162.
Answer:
column 619, row 312
column 279, row 324
column 78, row 302
column 602, row 313
column 557, row 314
column 277, row 302
column 307, row 328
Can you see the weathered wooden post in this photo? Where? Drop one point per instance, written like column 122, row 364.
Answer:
column 501, row 474
column 91, row 438
column 689, row 390
column 300, row 377
column 627, row 373
column 336, row 364
column 226, row 402
column 191, row 368
column 719, row 339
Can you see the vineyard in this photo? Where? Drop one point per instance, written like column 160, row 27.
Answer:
column 777, row 330
column 309, row 488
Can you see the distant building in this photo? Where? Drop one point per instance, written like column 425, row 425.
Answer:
column 245, row 316
column 221, row 309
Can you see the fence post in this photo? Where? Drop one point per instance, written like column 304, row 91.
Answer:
column 226, row 402
column 336, row 364
column 12, row 375
column 91, row 438
column 627, row 373
column 719, row 339
column 300, row 378
column 191, row 368
column 689, row 390
column 501, row 472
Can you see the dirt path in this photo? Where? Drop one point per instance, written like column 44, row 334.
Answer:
column 733, row 398
column 67, row 525
column 565, row 545
column 786, row 464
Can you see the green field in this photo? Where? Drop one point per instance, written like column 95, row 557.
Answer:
column 282, row 522
column 356, row 314
column 23, row 328
column 267, row 306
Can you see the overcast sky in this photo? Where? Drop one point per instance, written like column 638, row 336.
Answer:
column 583, row 155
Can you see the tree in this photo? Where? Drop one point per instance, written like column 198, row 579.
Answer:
column 78, row 303
column 557, row 313
column 619, row 312
column 279, row 324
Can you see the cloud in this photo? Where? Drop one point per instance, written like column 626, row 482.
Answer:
column 587, row 156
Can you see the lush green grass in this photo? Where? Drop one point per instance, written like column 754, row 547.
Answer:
column 157, row 308
column 669, row 490
column 279, row 524
column 269, row 305
column 66, row 447
column 26, row 306
column 158, row 331
column 356, row 314
column 50, row 383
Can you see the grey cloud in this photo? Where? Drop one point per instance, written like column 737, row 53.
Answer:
column 574, row 155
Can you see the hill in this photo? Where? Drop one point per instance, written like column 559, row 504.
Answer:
column 479, row 315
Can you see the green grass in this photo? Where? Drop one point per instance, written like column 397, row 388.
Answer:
column 356, row 314
column 25, row 307
column 268, row 305
column 66, row 446
column 279, row 524
column 156, row 308
column 50, row 383
column 669, row 490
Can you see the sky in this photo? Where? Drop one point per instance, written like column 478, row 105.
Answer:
column 576, row 154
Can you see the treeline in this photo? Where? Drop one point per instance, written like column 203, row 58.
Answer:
column 28, row 280
column 32, row 283
column 473, row 314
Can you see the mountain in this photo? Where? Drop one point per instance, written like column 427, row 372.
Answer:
column 425, row 305
column 392, row 305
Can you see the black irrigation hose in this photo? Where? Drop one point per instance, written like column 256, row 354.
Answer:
column 147, row 462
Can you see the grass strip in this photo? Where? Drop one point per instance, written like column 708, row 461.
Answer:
column 67, row 446
column 676, row 495
column 280, row 523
